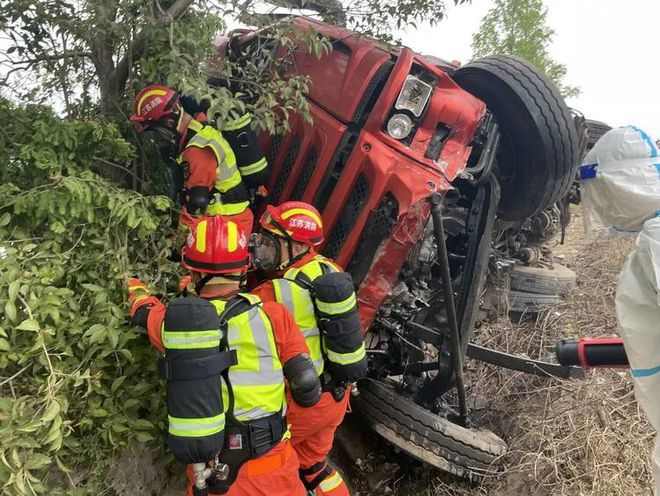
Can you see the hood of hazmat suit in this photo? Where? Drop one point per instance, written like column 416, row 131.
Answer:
column 621, row 188
column 620, row 183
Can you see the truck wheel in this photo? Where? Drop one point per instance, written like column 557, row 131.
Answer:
column 538, row 154
column 522, row 302
column 554, row 281
column 468, row 453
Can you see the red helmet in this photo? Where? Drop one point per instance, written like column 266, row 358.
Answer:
column 296, row 220
column 216, row 246
column 152, row 104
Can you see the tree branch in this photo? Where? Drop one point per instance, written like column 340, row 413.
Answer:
column 54, row 56
column 119, row 75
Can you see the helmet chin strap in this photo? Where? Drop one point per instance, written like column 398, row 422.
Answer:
column 202, row 282
column 289, row 245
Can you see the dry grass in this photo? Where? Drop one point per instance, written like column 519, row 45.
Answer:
column 566, row 437
column 573, row 437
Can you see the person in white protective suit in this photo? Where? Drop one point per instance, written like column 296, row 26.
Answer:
column 621, row 195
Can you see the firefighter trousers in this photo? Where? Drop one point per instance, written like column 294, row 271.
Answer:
column 272, row 474
column 312, row 434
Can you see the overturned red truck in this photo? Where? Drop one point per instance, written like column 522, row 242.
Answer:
column 416, row 165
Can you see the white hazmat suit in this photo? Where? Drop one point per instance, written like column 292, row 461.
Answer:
column 621, row 191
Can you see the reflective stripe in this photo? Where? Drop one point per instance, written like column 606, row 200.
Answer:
column 219, row 208
column 184, row 340
column 645, row 372
column 331, row 482
column 257, row 379
column 237, row 123
column 347, row 358
column 255, row 412
column 227, row 173
column 232, row 236
column 139, row 298
column 147, row 95
column 338, row 307
column 200, row 239
column 195, row 427
column 253, row 299
column 299, row 302
column 202, row 142
column 303, row 211
column 310, row 333
column 257, row 166
column 329, row 263
column 265, row 373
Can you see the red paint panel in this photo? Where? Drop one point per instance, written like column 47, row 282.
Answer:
column 340, row 78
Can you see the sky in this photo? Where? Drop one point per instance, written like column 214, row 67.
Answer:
column 609, row 48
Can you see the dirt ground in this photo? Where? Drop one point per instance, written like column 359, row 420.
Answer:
column 566, row 437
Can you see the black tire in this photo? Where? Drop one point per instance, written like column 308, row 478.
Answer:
column 539, row 150
column 595, row 131
column 531, row 303
column 468, row 453
column 554, row 281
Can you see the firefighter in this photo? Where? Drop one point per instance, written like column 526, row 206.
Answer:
column 241, row 349
column 215, row 183
column 322, row 300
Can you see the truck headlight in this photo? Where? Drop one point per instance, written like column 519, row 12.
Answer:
column 414, row 95
column 399, row 126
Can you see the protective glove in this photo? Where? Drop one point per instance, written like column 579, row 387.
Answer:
column 186, row 285
column 138, row 293
column 261, row 191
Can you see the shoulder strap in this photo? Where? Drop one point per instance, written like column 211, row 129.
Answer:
column 327, row 265
column 301, row 279
column 195, row 125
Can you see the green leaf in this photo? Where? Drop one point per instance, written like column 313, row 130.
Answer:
column 4, row 219
column 10, row 311
column 117, row 382
column 37, row 460
column 92, row 287
column 14, row 286
column 4, row 345
column 142, row 424
column 144, row 437
column 99, row 412
column 28, row 325
column 61, row 466
column 51, row 412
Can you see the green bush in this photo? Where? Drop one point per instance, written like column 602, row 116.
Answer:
column 76, row 382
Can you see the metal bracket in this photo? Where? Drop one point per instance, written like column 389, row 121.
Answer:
column 523, row 364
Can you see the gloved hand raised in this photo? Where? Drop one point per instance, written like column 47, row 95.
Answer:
column 186, row 285
column 137, row 293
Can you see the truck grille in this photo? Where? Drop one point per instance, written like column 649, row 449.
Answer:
column 333, row 172
column 285, row 171
column 357, row 198
column 378, row 227
column 308, row 171
column 274, row 148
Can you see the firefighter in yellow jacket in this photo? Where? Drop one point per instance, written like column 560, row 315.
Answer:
column 219, row 175
column 227, row 355
column 321, row 297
